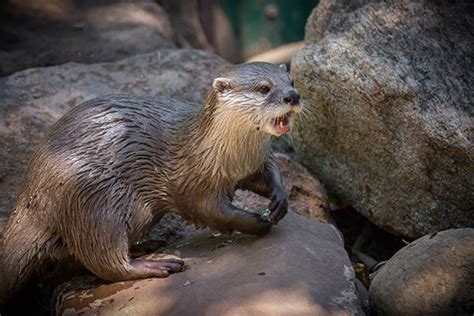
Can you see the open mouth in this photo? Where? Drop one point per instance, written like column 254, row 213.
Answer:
column 282, row 123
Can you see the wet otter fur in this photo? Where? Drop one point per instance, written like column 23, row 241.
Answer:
column 114, row 165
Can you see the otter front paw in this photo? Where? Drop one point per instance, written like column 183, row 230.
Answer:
column 262, row 228
column 253, row 224
column 278, row 207
column 233, row 218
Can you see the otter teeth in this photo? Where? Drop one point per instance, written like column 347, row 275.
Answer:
column 281, row 120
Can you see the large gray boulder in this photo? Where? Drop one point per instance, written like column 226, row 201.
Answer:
column 32, row 100
column 49, row 32
column 433, row 275
column 389, row 117
column 299, row 268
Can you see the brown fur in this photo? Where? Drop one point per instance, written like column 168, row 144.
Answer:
column 114, row 165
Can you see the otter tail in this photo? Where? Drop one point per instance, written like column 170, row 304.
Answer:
column 20, row 253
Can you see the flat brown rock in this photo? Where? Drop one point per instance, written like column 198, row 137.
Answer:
column 299, row 268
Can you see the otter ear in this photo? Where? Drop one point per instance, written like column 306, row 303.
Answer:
column 283, row 66
column 222, row 84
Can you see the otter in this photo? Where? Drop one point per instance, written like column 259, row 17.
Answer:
column 114, row 165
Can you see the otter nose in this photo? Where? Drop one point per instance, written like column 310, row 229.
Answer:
column 292, row 98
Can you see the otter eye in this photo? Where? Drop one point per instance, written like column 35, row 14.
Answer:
column 292, row 83
column 264, row 89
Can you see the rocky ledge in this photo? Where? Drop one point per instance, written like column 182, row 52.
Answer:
column 299, row 268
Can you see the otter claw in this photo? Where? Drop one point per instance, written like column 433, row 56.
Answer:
column 278, row 208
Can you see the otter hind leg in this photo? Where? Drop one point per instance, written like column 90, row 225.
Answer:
column 111, row 261
column 101, row 244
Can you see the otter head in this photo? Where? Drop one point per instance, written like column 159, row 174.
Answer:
column 260, row 96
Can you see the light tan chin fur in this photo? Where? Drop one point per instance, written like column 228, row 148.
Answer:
column 231, row 131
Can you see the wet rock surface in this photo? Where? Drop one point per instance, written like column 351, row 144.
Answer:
column 434, row 275
column 388, row 89
column 48, row 32
column 32, row 100
column 299, row 268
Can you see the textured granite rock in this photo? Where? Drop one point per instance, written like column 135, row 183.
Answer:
column 299, row 268
column 433, row 275
column 389, row 116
